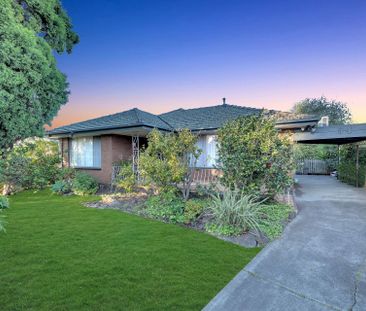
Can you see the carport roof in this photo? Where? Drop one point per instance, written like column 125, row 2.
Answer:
column 334, row 134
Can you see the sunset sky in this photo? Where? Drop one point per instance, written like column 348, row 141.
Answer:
column 163, row 55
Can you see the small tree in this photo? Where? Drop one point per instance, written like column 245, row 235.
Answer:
column 167, row 159
column 254, row 157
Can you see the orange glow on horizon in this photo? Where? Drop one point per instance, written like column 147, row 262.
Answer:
column 81, row 110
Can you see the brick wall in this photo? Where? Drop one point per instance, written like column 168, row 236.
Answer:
column 114, row 148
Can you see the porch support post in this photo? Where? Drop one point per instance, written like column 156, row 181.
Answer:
column 136, row 155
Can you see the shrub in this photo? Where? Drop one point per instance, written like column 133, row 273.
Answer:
column 347, row 169
column 166, row 160
column 126, row 179
column 194, row 208
column 84, row 184
column 347, row 172
column 66, row 174
column 61, row 187
column 234, row 212
column 4, row 202
column 166, row 206
column 32, row 164
column 254, row 157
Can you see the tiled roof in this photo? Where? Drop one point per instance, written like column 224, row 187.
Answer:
column 206, row 118
column 129, row 118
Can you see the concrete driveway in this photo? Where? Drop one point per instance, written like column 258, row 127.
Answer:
column 318, row 264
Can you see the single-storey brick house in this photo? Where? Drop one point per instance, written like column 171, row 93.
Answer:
column 96, row 145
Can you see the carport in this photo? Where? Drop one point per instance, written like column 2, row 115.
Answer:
column 334, row 135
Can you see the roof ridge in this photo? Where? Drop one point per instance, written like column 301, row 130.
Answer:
column 136, row 110
column 160, row 118
column 215, row 106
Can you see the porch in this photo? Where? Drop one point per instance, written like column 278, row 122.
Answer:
column 200, row 175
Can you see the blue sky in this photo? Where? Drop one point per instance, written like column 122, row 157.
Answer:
column 162, row 55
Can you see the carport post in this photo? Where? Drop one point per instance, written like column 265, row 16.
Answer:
column 339, row 160
column 339, row 155
column 357, row 164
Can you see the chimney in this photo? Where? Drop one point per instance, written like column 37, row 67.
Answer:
column 224, row 101
column 324, row 121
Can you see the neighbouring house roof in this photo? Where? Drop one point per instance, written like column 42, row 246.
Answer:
column 196, row 119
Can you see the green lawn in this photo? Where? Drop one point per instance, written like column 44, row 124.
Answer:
column 58, row 255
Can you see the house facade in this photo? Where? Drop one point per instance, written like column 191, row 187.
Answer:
column 97, row 146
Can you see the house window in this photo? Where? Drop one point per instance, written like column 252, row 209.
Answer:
column 85, row 152
column 208, row 145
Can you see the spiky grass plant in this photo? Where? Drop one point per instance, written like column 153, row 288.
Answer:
column 234, row 212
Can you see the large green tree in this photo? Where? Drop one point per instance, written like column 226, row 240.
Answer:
column 32, row 89
column 337, row 111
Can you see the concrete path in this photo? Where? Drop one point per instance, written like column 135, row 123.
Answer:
column 318, row 264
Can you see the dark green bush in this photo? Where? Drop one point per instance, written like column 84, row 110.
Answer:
column 84, row 184
column 33, row 164
column 347, row 169
column 166, row 206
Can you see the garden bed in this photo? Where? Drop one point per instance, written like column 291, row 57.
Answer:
column 135, row 203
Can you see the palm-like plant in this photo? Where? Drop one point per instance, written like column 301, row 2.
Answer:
column 236, row 210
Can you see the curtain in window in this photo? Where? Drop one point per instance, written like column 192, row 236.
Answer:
column 85, row 152
column 208, row 145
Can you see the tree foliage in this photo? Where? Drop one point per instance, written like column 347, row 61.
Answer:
column 32, row 89
column 337, row 111
column 30, row 165
column 254, row 157
column 166, row 160
column 347, row 169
